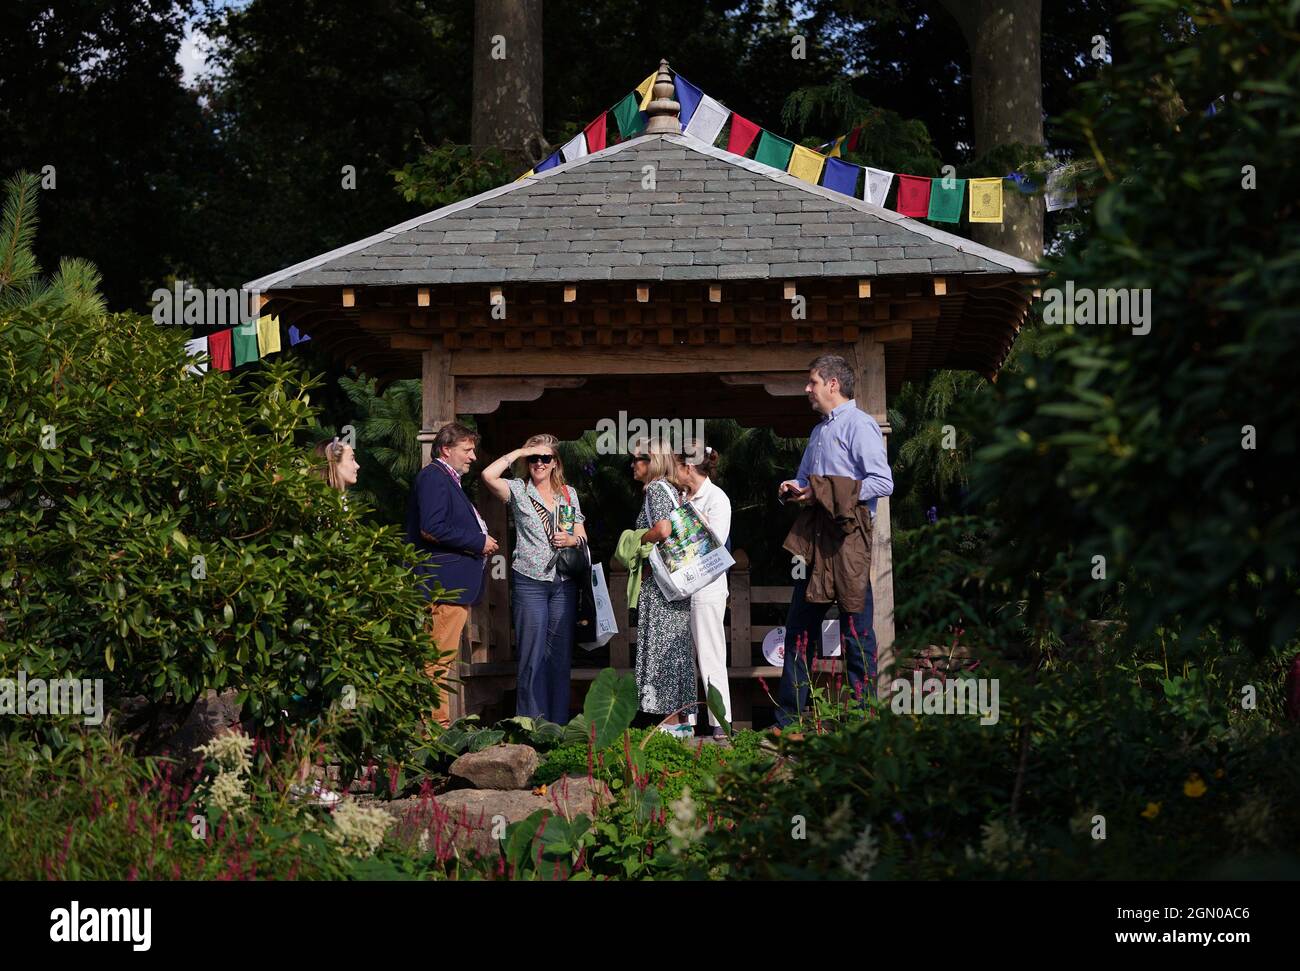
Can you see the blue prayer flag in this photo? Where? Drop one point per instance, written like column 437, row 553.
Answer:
column 689, row 97
column 841, row 176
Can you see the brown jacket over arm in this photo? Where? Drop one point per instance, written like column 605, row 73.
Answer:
column 833, row 536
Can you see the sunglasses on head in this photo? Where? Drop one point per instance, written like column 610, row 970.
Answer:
column 540, row 459
column 640, row 458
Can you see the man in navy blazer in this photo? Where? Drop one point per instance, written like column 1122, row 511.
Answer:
column 442, row 523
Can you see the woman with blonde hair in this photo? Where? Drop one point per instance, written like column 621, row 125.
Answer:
column 665, row 656
column 338, row 465
column 548, row 520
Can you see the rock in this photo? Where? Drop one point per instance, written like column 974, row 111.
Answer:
column 212, row 714
column 498, row 767
column 462, row 820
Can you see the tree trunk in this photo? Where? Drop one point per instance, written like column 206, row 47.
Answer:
column 508, row 79
column 1005, row 42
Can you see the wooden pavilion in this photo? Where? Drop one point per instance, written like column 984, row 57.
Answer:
column 659, row 277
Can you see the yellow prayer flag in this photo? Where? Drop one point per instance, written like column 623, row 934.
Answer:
column 985, row 200
column 839, row 143
column 524, row 176
column 646, row 88
column 268, row 335
column 806, row 164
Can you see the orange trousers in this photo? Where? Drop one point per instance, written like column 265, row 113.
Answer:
column 446, row 624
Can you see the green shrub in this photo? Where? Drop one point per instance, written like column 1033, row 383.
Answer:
column 162, row 531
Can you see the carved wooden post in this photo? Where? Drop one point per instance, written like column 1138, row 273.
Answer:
column 869, row 377
column 437, row 400
column 742, row 689
column 620, row 651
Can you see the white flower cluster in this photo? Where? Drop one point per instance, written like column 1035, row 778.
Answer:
column 684, row 827
column 861, row 859
column 232, row 752
column 1002, row 845
column 359, row 830
column 1251, row 823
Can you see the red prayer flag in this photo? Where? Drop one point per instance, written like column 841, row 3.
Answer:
column 596, row 134
column 913, row 196
column 853, row 138
column 219, row 350
column 742, row 135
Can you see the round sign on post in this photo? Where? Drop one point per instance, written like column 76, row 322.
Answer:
column 774, row 647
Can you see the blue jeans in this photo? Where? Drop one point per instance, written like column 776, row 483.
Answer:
column 806, row 618
column 545, row 614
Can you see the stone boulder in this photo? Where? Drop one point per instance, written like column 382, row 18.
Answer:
column 498, row 767
column 463, row 818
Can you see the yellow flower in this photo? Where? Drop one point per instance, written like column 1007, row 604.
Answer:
column 1194, row 787
column 1152, row 810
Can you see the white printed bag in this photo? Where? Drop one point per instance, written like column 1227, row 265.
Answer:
column 606, row 626
column 691, row 557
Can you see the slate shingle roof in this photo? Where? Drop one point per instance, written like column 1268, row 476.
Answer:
column 711, row 215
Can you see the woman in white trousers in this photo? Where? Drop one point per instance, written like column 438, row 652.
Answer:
column 709, row 604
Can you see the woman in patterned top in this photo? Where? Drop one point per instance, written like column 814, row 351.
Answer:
column 544, row 602
column 665, row 653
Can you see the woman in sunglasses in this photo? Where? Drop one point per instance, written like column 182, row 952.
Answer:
column 547, row 518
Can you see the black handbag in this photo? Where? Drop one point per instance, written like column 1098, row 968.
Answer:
column 574, row 562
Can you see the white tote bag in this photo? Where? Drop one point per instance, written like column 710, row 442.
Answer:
column 606, row 626
column 691, row 557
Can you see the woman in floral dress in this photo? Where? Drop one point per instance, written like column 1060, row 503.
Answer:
column 665, row 653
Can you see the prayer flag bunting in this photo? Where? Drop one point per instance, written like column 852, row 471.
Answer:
column 835, row 149
column 805, row 164
column 244, row 338
column 1060, row 195
column 946, row 197
column 574, row 148
column 645, row 89
column 628, row 116
column 841, row 176
column 875, row 188
column 913, row 196
column 297, row 337
column 774, row 150
column 689, row 97
column 548, row 163
column 595, row 133
column 985, row 201
column 743, row 133
column 854, row 135
column 195, row 346
column 219, row 350
column 524, row 176
column 268, row 334
column 708, row 120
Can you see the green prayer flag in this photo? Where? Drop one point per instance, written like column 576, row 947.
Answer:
column 945, row 203
column 244, row 339
column 629, row 117
column 773, row 150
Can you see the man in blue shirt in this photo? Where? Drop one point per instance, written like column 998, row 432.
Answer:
column 846, row 442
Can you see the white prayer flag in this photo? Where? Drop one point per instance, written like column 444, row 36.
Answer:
column 575, row 148
column 199, row 345
column 1060, row 195
column 708, row 120
column 875, row 187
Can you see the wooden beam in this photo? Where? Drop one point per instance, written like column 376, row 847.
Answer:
column 715, row 293
column 902, row 331
column 940, row 286
column 864, row 289
column 642, row 294
column 349, row 297
column 570, row 293
column 788, row 289
column 410, row 342
column 483, row 396
column 423, row 296
column 673, row 359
